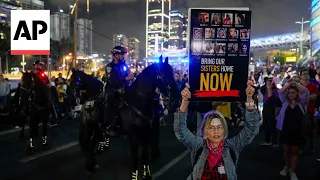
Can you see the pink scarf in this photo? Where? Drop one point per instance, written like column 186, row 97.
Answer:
column 215, row 154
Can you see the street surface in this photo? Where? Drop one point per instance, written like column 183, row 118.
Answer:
column 64, row 160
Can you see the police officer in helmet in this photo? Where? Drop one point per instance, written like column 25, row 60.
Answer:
column 118, row 76
column 41, row 103
column 38, row 71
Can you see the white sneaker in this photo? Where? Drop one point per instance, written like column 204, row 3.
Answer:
column 293, row 176
column 284, row 171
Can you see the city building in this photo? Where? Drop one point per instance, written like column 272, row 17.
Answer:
column 5, row 7
column 185, row 31
column 120, row 40
column 31, row 4
column 178, row 33
column 315, row 27
column 157, row 25
column 177, row 57
column 84, row 37
column 59, row 26
column 133, row 49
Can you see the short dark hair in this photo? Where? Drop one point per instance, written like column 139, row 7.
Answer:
column 303, row 70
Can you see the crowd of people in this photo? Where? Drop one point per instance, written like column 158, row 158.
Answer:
column 285, row 100
column 288, row 104
column 4, row 94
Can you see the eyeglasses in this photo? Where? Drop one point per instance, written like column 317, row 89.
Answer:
column 213, row 128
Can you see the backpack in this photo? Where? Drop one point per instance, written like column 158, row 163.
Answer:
column 199, row 151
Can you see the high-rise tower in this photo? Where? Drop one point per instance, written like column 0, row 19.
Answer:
column 157, row 25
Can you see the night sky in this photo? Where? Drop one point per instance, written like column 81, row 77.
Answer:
column 270, row 17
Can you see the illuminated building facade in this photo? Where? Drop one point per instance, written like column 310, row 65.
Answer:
column 120, row 40
column 84, row 37
column 157, row 26
column 178, row 30
column 133, row 49
column 177, row 57
column 5, row 7
column 59, row 26
column 32, row 4
column 315, row 27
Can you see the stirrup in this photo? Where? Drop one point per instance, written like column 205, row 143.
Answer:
column 134, row 175
column 44, row 140
column 101, row 146
column 30, row 144
column 107, row 142
column 146, row 172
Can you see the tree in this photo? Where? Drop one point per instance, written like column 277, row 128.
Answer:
column 4, row 37
column 4, row 42
column 58, row 50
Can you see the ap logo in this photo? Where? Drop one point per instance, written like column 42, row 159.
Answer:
column 30, row 32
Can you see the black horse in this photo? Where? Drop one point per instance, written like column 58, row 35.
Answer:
column 138, row 113
column 34, row 101
column 89, row 89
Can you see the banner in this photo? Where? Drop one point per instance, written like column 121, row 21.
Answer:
column 219, row 53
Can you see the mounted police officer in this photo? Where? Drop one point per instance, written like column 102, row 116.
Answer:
column 41, row 103
column 117, row 77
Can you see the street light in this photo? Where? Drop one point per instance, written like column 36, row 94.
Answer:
column 7, row 64
column 302, row 22
column 23, row 63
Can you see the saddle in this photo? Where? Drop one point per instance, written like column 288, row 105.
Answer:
column 120, row 98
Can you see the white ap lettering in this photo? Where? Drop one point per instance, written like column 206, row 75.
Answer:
column 26, row 33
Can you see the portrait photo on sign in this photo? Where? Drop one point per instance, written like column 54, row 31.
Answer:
column 233, row 33
column 203, row 17
column 215, row 19
column 196, row 47
column 209, row 33
column 227, row 18
column 243, row 49
column 197, row 33
column 221, row 33
column 244, row 34
column 233, row 48
column 240, row 19
column 220, row 48
column 208, row 47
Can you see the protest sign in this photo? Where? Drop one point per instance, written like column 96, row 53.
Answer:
column 219, row 53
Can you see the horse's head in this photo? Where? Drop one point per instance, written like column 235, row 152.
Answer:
column 27, row 80
column 165, row 80
column 75, row 79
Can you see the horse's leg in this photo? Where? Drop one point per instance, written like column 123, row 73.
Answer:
column 134, row 145
column 33, row 128
column 85, row 134
column 154, row 138
column 145, row 143
column 44, row 115
column 23, row 122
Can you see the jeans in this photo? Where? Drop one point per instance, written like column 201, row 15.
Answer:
column 310, row 135
column 270, row 130
column 3, row 100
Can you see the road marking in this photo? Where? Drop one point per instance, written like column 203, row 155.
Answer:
column 51, row 151
column 13, row 130
column 169, row 165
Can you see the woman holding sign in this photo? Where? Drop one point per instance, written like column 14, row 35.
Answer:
column 215, row 156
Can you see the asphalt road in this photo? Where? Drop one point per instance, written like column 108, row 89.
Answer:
column 64, row 160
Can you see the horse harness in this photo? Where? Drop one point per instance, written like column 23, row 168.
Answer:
column 138, row 112
column 31, row 94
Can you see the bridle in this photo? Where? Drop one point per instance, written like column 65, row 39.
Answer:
column 160, row 78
